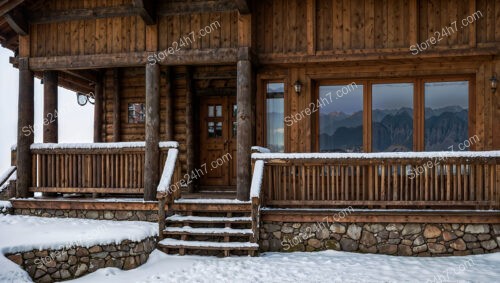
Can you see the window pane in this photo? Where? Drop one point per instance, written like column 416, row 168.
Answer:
column 218, row 129
column 446, row 114
column 136, row 114
column 211, row 129
column 392, row 117
column 275, row 113
column 341, row 118
column 218, row 111
column 211, row 112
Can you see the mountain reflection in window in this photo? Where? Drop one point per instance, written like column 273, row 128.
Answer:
column 446, row 114
column 340, row 118
column 275, row 115
column 392, row 117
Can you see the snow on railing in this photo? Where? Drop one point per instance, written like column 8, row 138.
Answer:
column 168, row 171
column 380, row 155
column 258, row 175
column 260, row 149
column 7, row 176
column 103, row 145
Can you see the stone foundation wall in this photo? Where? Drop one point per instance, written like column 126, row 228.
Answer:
column 382, row 238
column 65, row 264
column 119, row 215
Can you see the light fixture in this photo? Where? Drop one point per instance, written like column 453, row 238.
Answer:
column 81, row 98
column 494, row 83
column 91, row 98
column 297, row 86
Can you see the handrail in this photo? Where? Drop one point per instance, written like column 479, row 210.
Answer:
column 255, row 197
column 168, row 189
column 168, row 172
column 7, row 176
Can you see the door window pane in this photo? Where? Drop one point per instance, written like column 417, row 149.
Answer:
column 341, row 118
column 446, row 115
column 218, row 111
column 218, row 129
column 211, row 129
column 275, row 114
column 392, row 117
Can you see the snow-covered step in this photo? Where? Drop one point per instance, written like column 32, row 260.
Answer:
column 203, row 245
column 211, row 205
column 207, row 219
column 187, row 230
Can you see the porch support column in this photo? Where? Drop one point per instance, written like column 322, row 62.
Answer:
column 98, row 110
column 190, row 145
column 152, row 162
column 50, row 123
column 25, row 136
column 116, row 105
column 169, row 106
column 244, row 128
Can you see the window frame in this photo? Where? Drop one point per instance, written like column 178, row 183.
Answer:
column 264, row 112
column 418, row 105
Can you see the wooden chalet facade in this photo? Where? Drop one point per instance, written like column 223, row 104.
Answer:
column 219, row 77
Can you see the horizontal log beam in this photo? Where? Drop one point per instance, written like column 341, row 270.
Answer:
column 84, row 204
column 374, row 55
column 167, row 8
column 183, row 57
column 469, row 216
column 51, row 16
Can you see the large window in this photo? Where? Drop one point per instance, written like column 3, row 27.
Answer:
column 275, row 115
column 446, row 114
column 341, row 118
column 392, row 117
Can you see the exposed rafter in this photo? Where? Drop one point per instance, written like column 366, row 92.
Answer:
column 147, row 10
column 242, row 6
column 7, row 6
column 17, row 22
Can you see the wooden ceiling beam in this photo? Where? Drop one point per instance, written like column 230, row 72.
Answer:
column 17, row 22
column 242, row 6
column 167, row 8
column 88, row 75
column 48, row 16
column 147, row 10
column 7, row 6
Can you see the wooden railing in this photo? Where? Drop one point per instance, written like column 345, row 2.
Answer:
column 91, row 168
column 169, row 188
column 382, row 180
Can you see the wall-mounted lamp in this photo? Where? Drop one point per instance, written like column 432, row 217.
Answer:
column 297, row 86
column 81, row 98
column 494, row 83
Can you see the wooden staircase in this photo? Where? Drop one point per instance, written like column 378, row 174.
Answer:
column 220, row 227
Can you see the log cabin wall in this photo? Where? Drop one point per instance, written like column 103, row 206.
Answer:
column 312, row 41
column 209, row 80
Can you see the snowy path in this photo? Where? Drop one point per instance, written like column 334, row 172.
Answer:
column 23, row 233
column 328, row 266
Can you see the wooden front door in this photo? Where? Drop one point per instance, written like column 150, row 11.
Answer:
column 217, row 139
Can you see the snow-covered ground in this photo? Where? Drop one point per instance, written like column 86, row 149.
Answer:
column 327, row 266
column 24, row 233
column 21, row 233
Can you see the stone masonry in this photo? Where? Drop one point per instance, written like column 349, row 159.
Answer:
column 382, row 238
column 120, row 215
column 65, row 264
